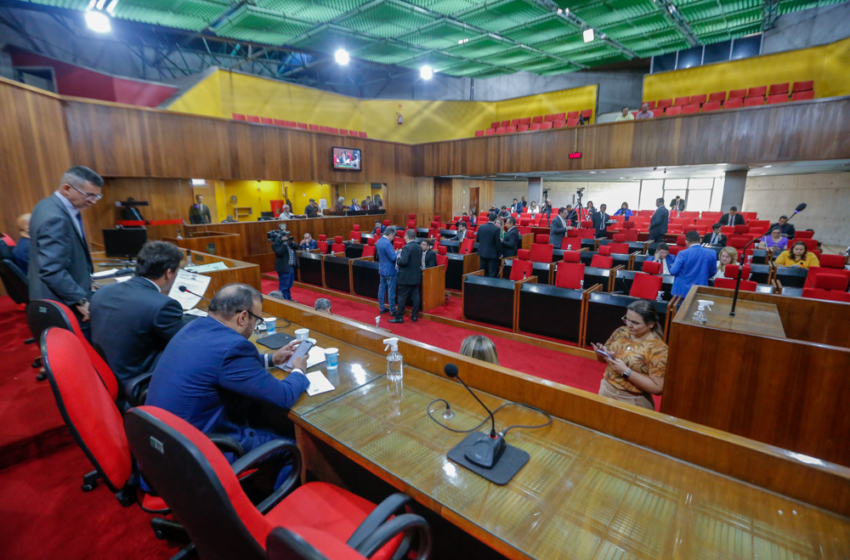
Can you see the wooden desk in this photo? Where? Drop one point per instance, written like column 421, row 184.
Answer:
column 750, row 316
column 228, row 245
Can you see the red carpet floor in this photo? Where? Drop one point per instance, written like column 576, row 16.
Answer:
column 574, row 371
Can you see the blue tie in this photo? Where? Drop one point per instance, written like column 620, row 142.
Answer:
column 82, row 231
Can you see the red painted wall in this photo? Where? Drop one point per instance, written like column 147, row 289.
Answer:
column 82, row 82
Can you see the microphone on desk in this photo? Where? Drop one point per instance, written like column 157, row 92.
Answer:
column 487, row 450
column 188, row 291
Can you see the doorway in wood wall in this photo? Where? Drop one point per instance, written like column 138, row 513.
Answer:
column 473, row 201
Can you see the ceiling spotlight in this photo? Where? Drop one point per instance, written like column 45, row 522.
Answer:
column 426, row 72
column 588, row 35
column 341, row 57
column 98, row 22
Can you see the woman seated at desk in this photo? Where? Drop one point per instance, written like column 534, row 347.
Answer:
column 636, row 358
column 774, row 240
column 624, row 211
column 727, row 256
column 799, row 255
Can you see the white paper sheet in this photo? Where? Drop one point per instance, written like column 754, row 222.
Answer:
column 122, row 278
column 315, row 357
column 197, row 269
column 193, row 282
column 195, row 312
column 318, row 383
column 104, row 273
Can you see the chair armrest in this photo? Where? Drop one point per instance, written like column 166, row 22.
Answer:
column 407, row 523
column 259, row 455
column 391, row 506
column 133, row 389
column 227, row 444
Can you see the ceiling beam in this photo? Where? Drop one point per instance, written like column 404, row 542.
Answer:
column 671, row 12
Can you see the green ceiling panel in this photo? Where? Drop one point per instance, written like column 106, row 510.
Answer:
column 607, row 13
column 513, row 57
column 386, row 52
column 186, row 14
column 66, row 4
column 310, row 10
column 446, row 7
column 439, row 35
column 255, row 24
column 328, row 39
column 650, row 23
column 439, row 62
column 565, row 45
column 504, row 15
column 468, row 68
column 541, row 30
column 541, row 64
column 493, row 72
column 387, row 19
column 555, row 70
column 480, row 47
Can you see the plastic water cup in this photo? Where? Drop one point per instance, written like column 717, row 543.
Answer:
column 302, row 334
column 332, row 357
column 271, row 325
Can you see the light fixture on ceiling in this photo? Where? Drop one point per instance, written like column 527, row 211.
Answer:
column 97, row 20
column 588, row 35
column 426, row 72
column 341, row 57
column 198, row 182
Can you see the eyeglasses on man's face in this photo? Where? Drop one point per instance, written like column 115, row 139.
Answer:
column 90, row 196
column 260, row 320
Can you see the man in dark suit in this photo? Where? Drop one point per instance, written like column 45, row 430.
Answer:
column 732, row 218
column 678, row 204
column 21, row 251
column 409, row 276
column 784, row 227
column 210, row 372
column 558, row 228
column 572, row 216
column 132, row 321
column 60, row 263
column 131, row 212
column 199, row 213
column 658, row 223
column 429, row 257
column 715, row 237
column 489, row 246
column 285, row 262
column 516, row 207
column 600, row 221
column 512, row 241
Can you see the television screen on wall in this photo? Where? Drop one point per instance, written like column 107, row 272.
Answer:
column 347, row 159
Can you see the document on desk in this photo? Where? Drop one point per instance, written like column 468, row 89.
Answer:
column 104, row 274
column 194, row 283
column 206, row 267
column 318, row 383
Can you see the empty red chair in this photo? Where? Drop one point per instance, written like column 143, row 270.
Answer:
column 675, row 249
column 479, row 133
column 605, row 250
column 573, row 115
column 343, row 131
column 804, row 235
column 733, row 103
column 363, row 134
column 442, row 259
column 356, row 227
column 803, row 86
column 501, row 130
column 522, row 128
column 238, row 117
column 541, row 252
column 253, row 118
column 731, row 271
column 510, row 130
column 303, row 126
column 541, row 238
column 536, row 120
column 266, row 120
column 587, row 113
column 651, row 267
column 559, row 124
column 560, row 116
column 619, row 237
column 719, row 96
column 650, row 104
column 355, row 236
column 572, row 256
column 549, row 118
column 338, row 248
column 828, row 286
column 526, row 120
column 691, row 109
column 619, row 248
column 729, row 284
column 521, row 270
column 370, row 241
column 601, row 261
column 314, row 127
column 646, row 286
column 495, row 124
column 323, row 247
column 569, row 275
column 546, row 125
column 673, row 111
column 278, row 122
column 711, row 106
column 490, row 132
column 398, row 243
column 681, row 101
column 442, row 250
column 571, row 243
column 700, row 99
column 516, row 122
column 467, row 246
column 832, row 261
column 802, row 95
column 759, row 91
column 736, row 93
column 664, row 103
column 368, row 251
column 780, row 98
column 816, row 271
column 776, row 89
column 572, row 122
column 753, row 101
column 524, row 254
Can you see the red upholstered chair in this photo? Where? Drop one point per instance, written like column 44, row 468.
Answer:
column 776, row 89
column 521, row 269
column 631, row 235
column 675, row 250
column 586, row 234
column 759, row 91
column 572, row 122
column 433, row 232
column 828, row 286
column 572, row 256
column 542, row 252
column 343, row 131
column 619, row 248
column 323, row 247
column 587, row 113
column 356, row 227
column 774, row 99
column 355, row 236
column 717, row 96
column 490, row 132
column 387, row 223
column 733, row 102
column 601, row 261
column 398, row 243
column 571, row 243
column 204, row 493
column 816, row 271
column 338, row 248
column 681, row 101
column 832, row 261
column 442, row 259
column 524, row 254
column 646, row 286
column 569, row 275
column 411, row 224
column 651, row 267
column 370, row 241
column 811, row 244
column 442, row 250
column 731, row 271
column 803, row 235
column 619, row 237
column 664, row 103
column 691, row 109
column 560, row 123
column 467, row 246
column 711, row 106
column 313, row 127
column 537, row 120
column 729, row 284
column 605, row 250
column 627, row 225
column 323, row 237
column 253, row 119
column 338, row 239
column 238, row 117
column 368, row 251
column 549, row 118
column 673, row 111
column 753, row 101
column 541, row 238
column 802, row 95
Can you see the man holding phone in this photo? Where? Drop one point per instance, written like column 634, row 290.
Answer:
column 210, row 372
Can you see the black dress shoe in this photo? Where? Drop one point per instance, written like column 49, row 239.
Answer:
column 414, row 319
column 396, row 320
column 384, row 311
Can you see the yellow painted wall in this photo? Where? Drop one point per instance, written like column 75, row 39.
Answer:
column 827, row 65
column 425, row 121
column 202, row 99
column 300, row 194
column 255, row 194
column 562, row 101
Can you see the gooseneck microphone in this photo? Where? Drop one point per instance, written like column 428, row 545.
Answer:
column 188, row 291
column 487, row 449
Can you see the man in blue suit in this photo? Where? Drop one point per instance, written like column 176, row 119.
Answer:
column 387, row 270
column 693, row 266
column 658, row 224
column 210, row 372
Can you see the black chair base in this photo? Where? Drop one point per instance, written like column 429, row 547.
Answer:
column 166, row 529
column 90, row 481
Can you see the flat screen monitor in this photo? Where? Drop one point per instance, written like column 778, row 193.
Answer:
column 347, row 159
column 124, row 242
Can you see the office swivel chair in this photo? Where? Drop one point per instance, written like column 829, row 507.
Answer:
column 309, row 544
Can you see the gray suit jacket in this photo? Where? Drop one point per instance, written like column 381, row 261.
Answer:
column 60, row 262
column 557, row 231
column 658, row 223
column 131, row 324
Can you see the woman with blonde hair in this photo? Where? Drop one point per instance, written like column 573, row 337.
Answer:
column 726, row 256
column 480, row 348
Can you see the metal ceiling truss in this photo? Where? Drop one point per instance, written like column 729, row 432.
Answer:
column 462, row 38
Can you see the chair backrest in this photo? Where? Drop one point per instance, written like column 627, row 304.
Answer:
column 541, row 238
column 521, row 269
column 675, row 249
column 368, row 251
column 601, row 261
column 337, row 239
column 832, row 261
column 387, row 223
column 733, row 102
column 338, row 248
column 651, row 267
column 411, row 224
column 541, row 252
column 729, row 284
column 356, row 227
column 442, row 259
column 442, row 250
column 88, row 410
column 830, row 281
column 198, row 484
column 731, row 271
column 524, row 254
column 355, row 236
column 571, row 243
column 605, row 250
column 811, row 244
column 467, row 246
column 646, row 286
column 14, row 281
column 571, row 257
column 370, row 241
column 803, row 235
column 569, row 275
column 627, row 225
column 619, row 248
column 618, row 237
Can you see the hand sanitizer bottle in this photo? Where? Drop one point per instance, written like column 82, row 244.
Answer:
column 660, row 296
column 395, row 366
column 178, row 234
column 699, row 316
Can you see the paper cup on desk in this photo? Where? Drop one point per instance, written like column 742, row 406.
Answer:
column 332, row 357
column 302, row 334
column 271, row 325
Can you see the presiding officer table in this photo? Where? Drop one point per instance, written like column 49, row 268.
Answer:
column 583, row 494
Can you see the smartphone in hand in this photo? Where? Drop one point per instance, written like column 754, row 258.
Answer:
column 301, row 350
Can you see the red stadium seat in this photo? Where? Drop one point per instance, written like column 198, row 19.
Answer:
column 479, row 133
column 238, row 117
column 490, row 132
column 651, row 267
column 569, row 275
column 516, row 122
column 546, row 125
column 541, row 252
column 549, row 118
column 495, row 124
column 560, row 116
column 505, row 123
column 266, row 120
column 521, row 270
column 729, row 284
column 363, row 134
column 313, row 127
column 343, row 131
column 664, row 103
column 303, row 126
column 673, row 111
column 253, row 118
column 522, row 128
column 649, row 104
column 779, row 98
column 753, row 101
column 759, row 91
column 828, row 286
column 700, row 99
column 802, row 95
column 691, row 109
column 573, row 115
column 510, row 130
column 572, row 122
column 803, row 86
column 534, row 126
column 646, row 286
column 601, row 261
column 681, row 101
column 717, row 96
column 587, row 113
column 776, row 89
column 536, row 120
column 733, row 103
column 501, row 130
column 711, row 106
column 735, row 93
column 559, row 124
column 526, row 121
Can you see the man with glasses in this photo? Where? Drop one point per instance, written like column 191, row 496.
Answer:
column 60, row 263
column 211, row 375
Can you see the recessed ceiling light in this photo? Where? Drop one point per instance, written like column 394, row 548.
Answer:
column 426, row 72
column 341, row 57
column 98, row 22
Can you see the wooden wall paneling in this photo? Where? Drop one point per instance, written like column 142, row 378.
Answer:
column 443, row 199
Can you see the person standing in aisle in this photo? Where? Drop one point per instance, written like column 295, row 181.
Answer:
column 409, row 277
